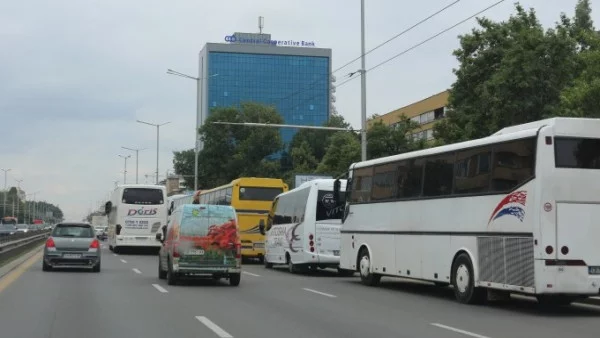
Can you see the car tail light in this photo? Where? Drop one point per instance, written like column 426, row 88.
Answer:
column 176, row 250
column 238, row 251
column 310, row 237
column 312, row 249
column 50, row 244
column 95, row 244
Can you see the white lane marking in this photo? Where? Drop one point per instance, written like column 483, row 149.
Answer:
column 115, row 255
column 160, row 288
column 250, row 273
column 320, row 293
column 467, row 333
column 136, row 271
column 597, row 298
column 216, row 329
column 124, row 261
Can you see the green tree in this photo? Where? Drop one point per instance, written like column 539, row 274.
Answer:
column 232, row 151
column 343, row 150
column 510, row 72
column 384, row 140
column 582, row 99
column 318, row 140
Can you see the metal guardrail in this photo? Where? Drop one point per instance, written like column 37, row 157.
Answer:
column 9, row 243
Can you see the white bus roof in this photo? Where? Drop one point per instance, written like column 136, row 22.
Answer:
column 321, row 183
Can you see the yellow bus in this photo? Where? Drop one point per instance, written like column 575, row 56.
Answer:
column 252, row 198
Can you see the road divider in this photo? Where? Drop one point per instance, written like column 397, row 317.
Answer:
column 214, row 327
column 320, row 293
column 453, row 329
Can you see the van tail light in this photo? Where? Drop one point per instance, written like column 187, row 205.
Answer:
column 95, row 245
column 50, row 245
column 176, row 253
column 238, row 250
column 310, row 237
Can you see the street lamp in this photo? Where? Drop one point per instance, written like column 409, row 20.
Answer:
column 199, row 117
column 18, row 199
column 157, row 140
column 5, row 190
column 125, row 170
column 137, row 153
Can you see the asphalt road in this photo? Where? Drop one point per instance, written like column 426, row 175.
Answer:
column 127, row 299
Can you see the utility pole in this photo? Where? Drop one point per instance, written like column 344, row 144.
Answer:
column 18, row 199
column 363, row 85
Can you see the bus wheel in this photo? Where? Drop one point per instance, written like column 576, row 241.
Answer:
column 364, row 263
column 292, row 268
column 234, row 279
column 267, row 264
column 116, row 249
column 110, row 247
column 464, row 282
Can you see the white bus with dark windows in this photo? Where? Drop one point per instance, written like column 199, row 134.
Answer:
column 135, row 213
column 515, row 212
column 303, row 228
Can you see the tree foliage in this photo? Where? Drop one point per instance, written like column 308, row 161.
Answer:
column 23, row 210
column 514, row 72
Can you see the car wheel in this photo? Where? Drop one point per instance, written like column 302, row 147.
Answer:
column 96, row 267
column 162, row 274
column 234, row 279
column 171, row 276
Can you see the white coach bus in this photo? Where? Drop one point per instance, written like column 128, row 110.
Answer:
column 135, row 213
column 303, row 228
column 513, row 212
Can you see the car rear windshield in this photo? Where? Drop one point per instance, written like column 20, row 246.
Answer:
column 142, row 196
column 73, row 230
column 198, row 224
column 577, row 153
column 328, row 207
column 259, row 194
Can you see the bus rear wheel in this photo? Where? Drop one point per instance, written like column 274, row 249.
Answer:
column 463, row 281
column 364, row 268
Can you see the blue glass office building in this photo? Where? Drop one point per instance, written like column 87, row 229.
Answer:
column 296, row 80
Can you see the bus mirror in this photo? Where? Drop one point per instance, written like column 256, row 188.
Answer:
column 336, row 189
column 159, row 236
column 118, row 229
column 261, row 226
column 108, row 207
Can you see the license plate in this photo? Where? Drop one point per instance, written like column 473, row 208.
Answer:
column 196, row 252
column 594, row 270
column 72, row 256
column 259, row 245
column 336, row 252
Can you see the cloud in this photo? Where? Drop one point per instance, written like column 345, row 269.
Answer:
column 75, row 75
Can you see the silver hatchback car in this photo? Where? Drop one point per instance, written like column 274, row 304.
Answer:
column 72, row 245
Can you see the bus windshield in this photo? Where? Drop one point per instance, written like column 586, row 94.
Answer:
column 577, row 153
column 143, row 196
column 259, row 194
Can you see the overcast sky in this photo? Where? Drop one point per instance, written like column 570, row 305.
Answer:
column 76, row 74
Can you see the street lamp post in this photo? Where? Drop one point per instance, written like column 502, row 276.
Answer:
column 5, row 190
column 157, row 141
column 125, row 169
column 18, row 190
column 199, row 117
column 137, row 153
